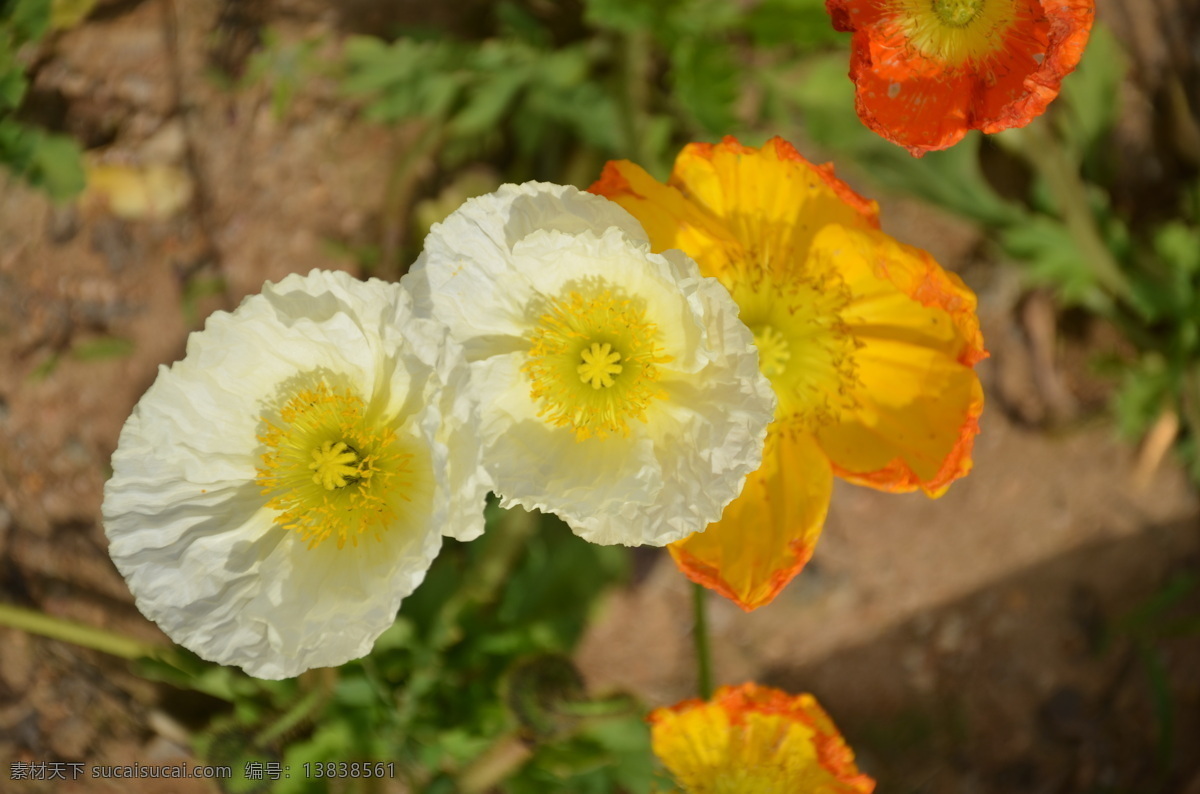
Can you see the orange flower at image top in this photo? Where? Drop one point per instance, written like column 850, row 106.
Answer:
column 928, row 71
column 753, row 739
column 868, row 343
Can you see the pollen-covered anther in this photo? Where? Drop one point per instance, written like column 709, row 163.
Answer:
column 335, row 465
column 599, row 365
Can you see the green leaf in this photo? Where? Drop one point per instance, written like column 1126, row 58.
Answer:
column 1090, row 95
column 1145, row 391
column 586, row 109
column 51, row 162
column 355, row 692
column 29, row 19
column 12, row 87
column 706, row 78
column 401, row 634
column 803, row 24
column 103, row 348
column 1178, row 245
column 515, row 22
column 1052, row 259
column 557, row 580
column 628, row 740
column 57, row 166
column 488, row 102
column 627, row 16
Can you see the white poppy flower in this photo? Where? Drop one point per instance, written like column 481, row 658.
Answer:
column 279, row 491
column 618, row 387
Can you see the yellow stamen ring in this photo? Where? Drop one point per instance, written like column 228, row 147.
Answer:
column 593, row 364
column 330, row 470
column 955, row 31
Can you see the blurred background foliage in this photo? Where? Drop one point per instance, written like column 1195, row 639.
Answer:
column 46, row 160
column 550, row 91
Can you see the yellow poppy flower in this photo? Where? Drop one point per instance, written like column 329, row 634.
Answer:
column 753, row 739
column 868, row 343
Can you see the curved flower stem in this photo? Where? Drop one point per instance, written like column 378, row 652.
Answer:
column 323, row 680
column 703, row 651
column 1044, row 151
column 496, row 764
column 76, row 633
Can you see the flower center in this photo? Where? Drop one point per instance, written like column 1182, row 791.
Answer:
column 954, row 31
column 957, row 13
column 804, row 347
column 330, row 470
column 593, row 364
column 335, row 465
column 773, row 352
column 599, row 365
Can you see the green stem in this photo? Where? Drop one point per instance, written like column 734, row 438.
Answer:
column 634, row 95
column 410, row 154
column 506, row 755
column 76, row 633
column 703, row 651
column 1045, row 153
column 323, row 682
column 507, row 541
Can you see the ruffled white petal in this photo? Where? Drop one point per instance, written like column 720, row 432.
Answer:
column 479, row 294
column 490, row 271
column 188, row 525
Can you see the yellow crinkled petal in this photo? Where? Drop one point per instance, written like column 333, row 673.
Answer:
column 917, row 398
column 727, row 204
column 768, row 533
column 771, row 199
column 755, row 740
column 887, row 277
column 670, row 220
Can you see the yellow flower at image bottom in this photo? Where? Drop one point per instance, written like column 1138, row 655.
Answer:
column 869, row 344
column 753, row 739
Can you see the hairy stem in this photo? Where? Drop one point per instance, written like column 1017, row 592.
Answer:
column 700, row 635
column 1045, row 153
column 76, row 633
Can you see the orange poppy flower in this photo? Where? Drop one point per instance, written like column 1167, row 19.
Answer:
column 751, row 739
column 868, row 343
column 928, row 71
